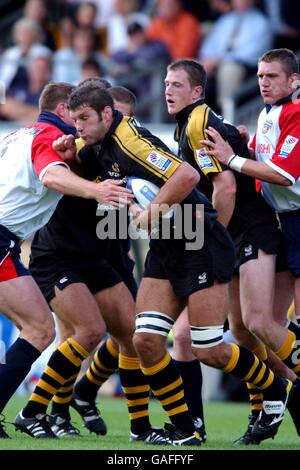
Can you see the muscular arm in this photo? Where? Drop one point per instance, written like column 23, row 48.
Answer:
column 177, row 188
column 223, row 197
column 261, row 170
column 60, row 179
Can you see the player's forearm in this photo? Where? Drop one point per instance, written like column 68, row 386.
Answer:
column 177, row 188
column 60, row 179
column 264, row 172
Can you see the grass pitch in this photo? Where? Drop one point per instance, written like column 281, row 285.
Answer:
column 224, row 423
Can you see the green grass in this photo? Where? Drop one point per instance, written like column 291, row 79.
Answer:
column 224, row 422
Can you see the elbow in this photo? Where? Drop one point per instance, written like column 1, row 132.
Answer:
column 281, row 180
column 192, row 176
column 231, row 192
column 50, row 182
column 47, row 181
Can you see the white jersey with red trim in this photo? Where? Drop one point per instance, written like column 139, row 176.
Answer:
column 25, row 155
column 277, row 143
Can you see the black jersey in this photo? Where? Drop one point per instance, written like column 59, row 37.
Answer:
column 192, row 122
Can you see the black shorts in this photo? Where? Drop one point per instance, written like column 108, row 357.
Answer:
column 254, row 231
column 290, row 223
column 61, row 271
column 192, row 270
column 11, row 265
column 117, row 256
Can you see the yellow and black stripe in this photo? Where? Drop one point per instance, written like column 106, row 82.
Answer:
column 167, row 386
column 136, row 390
column 139, row 148
column 104, row 364
column 255, row 395
column 289, row 351
column 244, row 365
column 200, row 118
column 64, row 363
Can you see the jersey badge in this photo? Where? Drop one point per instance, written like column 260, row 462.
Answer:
column 202, row 278
column 287, row 146
column 248, row 250
column 204, row 161
column 159, row 161
column 267, row 126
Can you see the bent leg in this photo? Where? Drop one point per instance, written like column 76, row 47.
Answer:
column 30, row 313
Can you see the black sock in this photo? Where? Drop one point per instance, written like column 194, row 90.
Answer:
column 191, row 374
column 14, row 367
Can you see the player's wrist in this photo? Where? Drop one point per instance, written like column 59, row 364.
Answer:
column 235, row 162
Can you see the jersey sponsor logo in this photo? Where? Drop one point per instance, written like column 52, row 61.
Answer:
column 248, row 250
column 267, row 126
column 288, row 146
column 147, row 193
column 115, row 167
column 159, row 161
column 204, row 160
column 264, row 148
column 115, row 173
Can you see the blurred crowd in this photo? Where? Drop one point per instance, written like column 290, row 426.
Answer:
column 130, row 41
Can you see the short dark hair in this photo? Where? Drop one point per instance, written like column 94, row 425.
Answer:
column 195, row 71
column 123, row 95
column 101, row 82
column 134, row 27
column 91, row 95
column 286, row 57
column 53, row 94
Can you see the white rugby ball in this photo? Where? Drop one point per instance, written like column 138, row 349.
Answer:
column 144, row 192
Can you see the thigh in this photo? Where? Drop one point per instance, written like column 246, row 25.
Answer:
column 257, row 284
column 284, row 294
column 76, row 306
column 234, row 313
column 117, row 307
column 22, row 301
column 209, row 307
column 158, row 295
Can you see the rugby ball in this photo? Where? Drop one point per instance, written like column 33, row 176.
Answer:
column 144, row 192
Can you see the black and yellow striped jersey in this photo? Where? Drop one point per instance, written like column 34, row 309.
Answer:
column 192, row 124
column 128, row 150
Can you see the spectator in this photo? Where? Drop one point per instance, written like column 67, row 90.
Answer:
column 67, row 62
column 86, row 18
column 285, row 21
column 37, row 11
column 176, row 28
column 28, row 37
column 140, row 54
column 125, row 12
column 230, row 51
column 91, row 69
column 23, row 99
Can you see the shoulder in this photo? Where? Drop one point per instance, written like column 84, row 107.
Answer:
column 44, row 130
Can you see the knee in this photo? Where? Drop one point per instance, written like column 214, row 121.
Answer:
column 90, row 337
column 240, row 333
column 151, row 332
column 182, row 338
column 255, row 324
column 41, row 334
column 144, row 343
column 212, row 357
